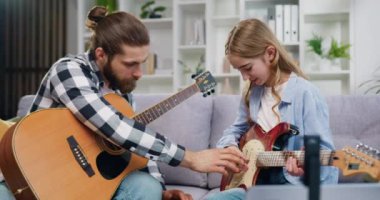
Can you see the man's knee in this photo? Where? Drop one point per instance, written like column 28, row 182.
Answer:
column 139, row 185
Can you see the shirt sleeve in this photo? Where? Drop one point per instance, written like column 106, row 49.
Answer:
column 153, row 170
column 316, row 118
column 240, row 126
column 73, row 86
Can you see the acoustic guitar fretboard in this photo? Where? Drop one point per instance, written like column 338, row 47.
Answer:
column 159, row 109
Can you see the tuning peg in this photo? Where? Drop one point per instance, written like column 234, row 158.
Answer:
column 208, row 93
column 205, row 94
column 359, row 146
column 366, row 149
column 193, row 76
column 371, row 151
column 212, row 91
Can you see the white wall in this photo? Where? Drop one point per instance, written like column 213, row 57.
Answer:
column 366, row 40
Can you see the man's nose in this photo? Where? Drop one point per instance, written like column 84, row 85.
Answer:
column 138, row 72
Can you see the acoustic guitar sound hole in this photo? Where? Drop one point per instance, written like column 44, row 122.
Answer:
column 111, row 146
column 110, row 166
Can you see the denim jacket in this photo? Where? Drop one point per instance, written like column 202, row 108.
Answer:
column 301, row 105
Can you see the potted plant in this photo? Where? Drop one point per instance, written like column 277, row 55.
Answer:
column 186, row 70
column 315, row 44
column 338, row 52
column 148, row 11
column 328, row 58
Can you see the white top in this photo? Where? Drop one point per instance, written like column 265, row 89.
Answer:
column 266, row 118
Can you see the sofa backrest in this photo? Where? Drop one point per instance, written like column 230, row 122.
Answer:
column 187, row 124
column 355, row 119
column 24, row 105
column 225, row 108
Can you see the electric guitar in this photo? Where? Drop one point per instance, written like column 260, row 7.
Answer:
column 264, row 149
column 49, row 154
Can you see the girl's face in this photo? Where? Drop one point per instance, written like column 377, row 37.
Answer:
column 257, row 69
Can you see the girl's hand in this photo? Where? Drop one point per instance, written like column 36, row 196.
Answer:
column 293, row 168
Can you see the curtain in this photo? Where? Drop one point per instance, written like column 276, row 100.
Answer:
column 32, row 38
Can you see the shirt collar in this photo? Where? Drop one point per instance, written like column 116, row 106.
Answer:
column 91, row 58
column 290, row 89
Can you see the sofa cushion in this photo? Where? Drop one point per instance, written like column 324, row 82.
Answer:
column 225, row 108
column 355, row 119
column 187, row 124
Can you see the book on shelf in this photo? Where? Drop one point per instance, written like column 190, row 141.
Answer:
column 198, row 36
column 150, row 65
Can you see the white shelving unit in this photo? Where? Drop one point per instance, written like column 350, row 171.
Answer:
column 328, row 19
column 172, row 39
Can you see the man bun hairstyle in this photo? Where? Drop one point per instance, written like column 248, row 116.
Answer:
column 111, row 30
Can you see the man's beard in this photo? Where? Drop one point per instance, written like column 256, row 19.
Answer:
column 125, row 86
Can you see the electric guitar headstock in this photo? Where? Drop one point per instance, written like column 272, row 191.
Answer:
column 359, row 160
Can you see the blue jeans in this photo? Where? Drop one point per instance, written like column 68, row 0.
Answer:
column 231, row 194
column 139, row 185
column 5, row 193
column 270, row 176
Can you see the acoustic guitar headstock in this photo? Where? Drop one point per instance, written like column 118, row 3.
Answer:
column 205, row 82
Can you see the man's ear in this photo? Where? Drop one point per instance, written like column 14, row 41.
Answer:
column 100, row 55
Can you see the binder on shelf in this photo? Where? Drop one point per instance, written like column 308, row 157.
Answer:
column 272, row 19
column 294, row 23
column 279, row 22
column 287, row 20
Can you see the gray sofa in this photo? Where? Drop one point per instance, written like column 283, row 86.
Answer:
column 199, row 122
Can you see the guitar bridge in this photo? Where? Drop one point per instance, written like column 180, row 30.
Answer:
column 79, row 156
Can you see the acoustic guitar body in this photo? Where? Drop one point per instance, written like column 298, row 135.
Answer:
column 38, row 163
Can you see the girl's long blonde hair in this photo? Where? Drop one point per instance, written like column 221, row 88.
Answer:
column 249, row 39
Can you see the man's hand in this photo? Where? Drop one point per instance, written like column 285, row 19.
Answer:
column 292, row 167
column 175, row 195
column 216, row 160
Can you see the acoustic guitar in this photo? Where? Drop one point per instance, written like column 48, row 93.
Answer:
column 264, row 150
column 50, row 154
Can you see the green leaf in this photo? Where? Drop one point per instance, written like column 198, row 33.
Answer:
column 146, row 5
column 101, row 3
column 338, row 51
column 144, row 14
column 111, row 5
column 159, row 9
column 315, row 44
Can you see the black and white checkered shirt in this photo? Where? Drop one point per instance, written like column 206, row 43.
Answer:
column 75, row 82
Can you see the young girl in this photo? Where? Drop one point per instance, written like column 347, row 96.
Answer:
column 277, row 92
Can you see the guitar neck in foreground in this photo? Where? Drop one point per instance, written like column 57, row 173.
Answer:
column 278, row 158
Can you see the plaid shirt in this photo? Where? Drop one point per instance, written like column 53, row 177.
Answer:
column 76, row 83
